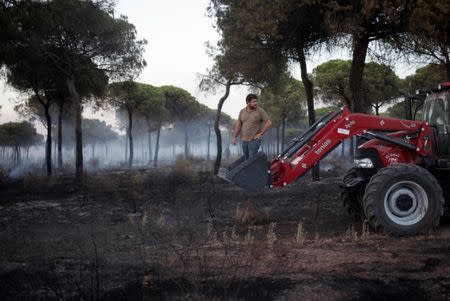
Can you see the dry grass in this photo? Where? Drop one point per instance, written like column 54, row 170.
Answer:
column 226, row 256
column 36, row 182
column 94, row 163
column 350, row 234
column 3, row 175
column 182, row 171
column 161, row 221
column 250, row 214
column 107, row 183
column 365, row 231
column 271, row 235
column 249, row 238
column 300, row 235
column 133, row 181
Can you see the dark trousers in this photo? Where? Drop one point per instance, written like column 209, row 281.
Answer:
column 250, row 148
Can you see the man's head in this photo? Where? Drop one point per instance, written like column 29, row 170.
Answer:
column 252, row 101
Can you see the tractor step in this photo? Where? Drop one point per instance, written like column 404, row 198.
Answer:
column 351, row 182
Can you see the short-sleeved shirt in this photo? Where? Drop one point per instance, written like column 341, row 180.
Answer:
column 251, row 122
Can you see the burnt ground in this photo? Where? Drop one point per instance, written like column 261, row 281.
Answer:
column 165, row 235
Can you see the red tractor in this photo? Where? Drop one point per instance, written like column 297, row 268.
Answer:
column 399, row 172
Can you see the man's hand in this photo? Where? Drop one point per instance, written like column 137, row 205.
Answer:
column 258, row 136
column 233, row 141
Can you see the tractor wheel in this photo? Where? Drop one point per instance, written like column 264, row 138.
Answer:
column 352, row 198
column 403, row 199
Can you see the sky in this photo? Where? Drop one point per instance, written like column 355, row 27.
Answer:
column 176, row 31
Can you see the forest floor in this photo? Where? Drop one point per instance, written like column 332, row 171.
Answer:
column 165, row 235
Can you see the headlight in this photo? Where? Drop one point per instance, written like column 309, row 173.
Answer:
column 363, row 163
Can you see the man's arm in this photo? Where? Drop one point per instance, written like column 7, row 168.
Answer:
column 237, row 130
column 265, row 128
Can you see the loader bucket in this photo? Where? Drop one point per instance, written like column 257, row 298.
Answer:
column 252, row 174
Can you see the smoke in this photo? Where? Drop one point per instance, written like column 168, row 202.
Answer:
column 195, row 139
column 338, row 158
column 99, row 154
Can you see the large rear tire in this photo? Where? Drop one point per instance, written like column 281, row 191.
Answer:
column 403, row 199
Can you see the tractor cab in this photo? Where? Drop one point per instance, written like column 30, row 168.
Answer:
column 436, row 111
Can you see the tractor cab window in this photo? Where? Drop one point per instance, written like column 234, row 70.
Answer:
column 436, row 113
column 436, row 109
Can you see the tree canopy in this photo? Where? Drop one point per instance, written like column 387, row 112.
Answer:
column 18, row 134
column 428, row 35
column 365, row 22
column 180, row 104
column 182, row 108
column 96, row 131
column 130, row 98
column 152, row 109
column 380, row 83
column 285, row 102
column 88, row 39
column 331, row 79
column 431, row 74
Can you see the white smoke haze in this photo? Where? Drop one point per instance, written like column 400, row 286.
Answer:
column 114, row 154
column 101, row 154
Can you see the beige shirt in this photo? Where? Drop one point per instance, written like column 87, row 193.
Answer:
column 251, row 122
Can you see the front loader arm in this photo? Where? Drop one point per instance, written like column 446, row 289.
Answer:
column 330, row 131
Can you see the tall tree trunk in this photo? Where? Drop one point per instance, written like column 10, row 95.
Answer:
column 307, row 83
column 142, row 148
column 17, row 156
column 155, row 160
column 186, row 141
column 126, row 147
column 130, row 137
column 78, row 132
column 209, row 142
column 408, row 108
column 217, row 129
column 360, row 46
column 54, row 154
column 93, row 151
column 48, row 144
column 227, row 149
column 59, row 136
column 48, row 121
column 150, row 147
column 278, row 139
column 447, row 61
column 283, row 132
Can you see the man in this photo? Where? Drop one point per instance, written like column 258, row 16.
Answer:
column 249, row 122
